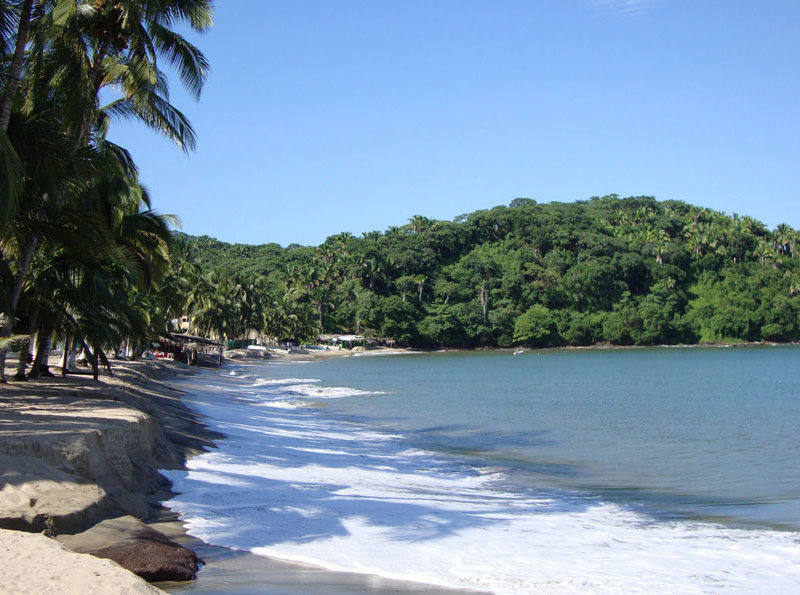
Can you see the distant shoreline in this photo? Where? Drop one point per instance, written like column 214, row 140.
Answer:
column 341, row 353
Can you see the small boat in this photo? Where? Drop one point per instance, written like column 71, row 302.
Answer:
column 519, row 351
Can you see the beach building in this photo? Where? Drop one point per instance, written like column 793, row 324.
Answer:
column 193, row 350
column 351, row 341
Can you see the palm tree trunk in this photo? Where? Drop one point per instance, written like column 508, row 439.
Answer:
column 96, row 78
column 99, row 353
column 22, row 364
column 95, row 367
column 65, row 355
column 22, row 271
column 12, row 82
column 25, row 349
column 92, row 355
column 39, row 367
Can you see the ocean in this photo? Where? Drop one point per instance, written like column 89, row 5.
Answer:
column 664, row 469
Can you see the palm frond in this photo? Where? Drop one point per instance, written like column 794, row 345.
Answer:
column 160, row 115
column 12, row 341
column 189, row 61
column 8, row 18
column 199, row 13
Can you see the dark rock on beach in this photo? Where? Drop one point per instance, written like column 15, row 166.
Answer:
column 138, row 548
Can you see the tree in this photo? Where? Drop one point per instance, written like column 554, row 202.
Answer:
column 14, row 71
column 536, row 327
column 70, row 52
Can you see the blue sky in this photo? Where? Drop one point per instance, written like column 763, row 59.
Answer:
column 323, row 116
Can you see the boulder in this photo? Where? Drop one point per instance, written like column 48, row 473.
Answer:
column 136, row 547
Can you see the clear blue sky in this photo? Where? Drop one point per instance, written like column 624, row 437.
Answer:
column 322, row 116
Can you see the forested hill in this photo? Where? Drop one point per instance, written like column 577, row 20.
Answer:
column 607, row 270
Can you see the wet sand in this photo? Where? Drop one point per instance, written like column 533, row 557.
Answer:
column 242, row 573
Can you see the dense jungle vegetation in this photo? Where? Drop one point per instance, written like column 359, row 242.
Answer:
column 626, row 271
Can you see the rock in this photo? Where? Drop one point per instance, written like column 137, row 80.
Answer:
column 138, row 548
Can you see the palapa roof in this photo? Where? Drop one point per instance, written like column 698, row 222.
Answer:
column 187, row 339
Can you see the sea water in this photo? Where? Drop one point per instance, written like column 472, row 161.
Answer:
column 669, row 469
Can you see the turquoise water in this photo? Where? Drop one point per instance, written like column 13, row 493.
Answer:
column 653, row 470
column 685, row 432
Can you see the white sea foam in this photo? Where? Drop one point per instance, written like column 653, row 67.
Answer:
column 282, row 381
column 294, row 485
column 384, row 352
column 327, row 392
column 291, row 363
column 276, row 404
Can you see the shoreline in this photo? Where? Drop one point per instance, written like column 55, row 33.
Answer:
column 42, row 423
column 280, row 355
column 335, row 482
column 57, row 478
column 227, row 570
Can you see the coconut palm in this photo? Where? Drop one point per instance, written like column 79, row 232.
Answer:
column 44, row 148
column 15, row 22
column 76, row 49
column 92, row 287
column 781, row 237
column 763, row 251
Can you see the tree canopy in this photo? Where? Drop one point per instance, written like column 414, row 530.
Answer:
column 625, row 271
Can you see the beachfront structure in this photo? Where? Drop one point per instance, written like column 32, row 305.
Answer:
column 346, row 341
column 350, row 341
column 193, row 350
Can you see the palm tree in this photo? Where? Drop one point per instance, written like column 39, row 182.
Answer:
column 763, row 251
column 420, row 224
column 116, row 46
column 90, row 283
column 782, row 235
column 14, row 27
column 78, row 48
column 372, row 270
column 308, row 327
column 658, row 239
column 8, row 11
column 43, row 147
column 320, row 297
column 420, row 281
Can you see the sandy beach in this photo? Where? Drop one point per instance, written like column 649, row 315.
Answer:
column 75, row 452
column 79, row 465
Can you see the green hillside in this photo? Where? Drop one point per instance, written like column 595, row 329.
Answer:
column 630, row 271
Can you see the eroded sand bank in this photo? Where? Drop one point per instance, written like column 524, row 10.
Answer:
column 73, row 452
